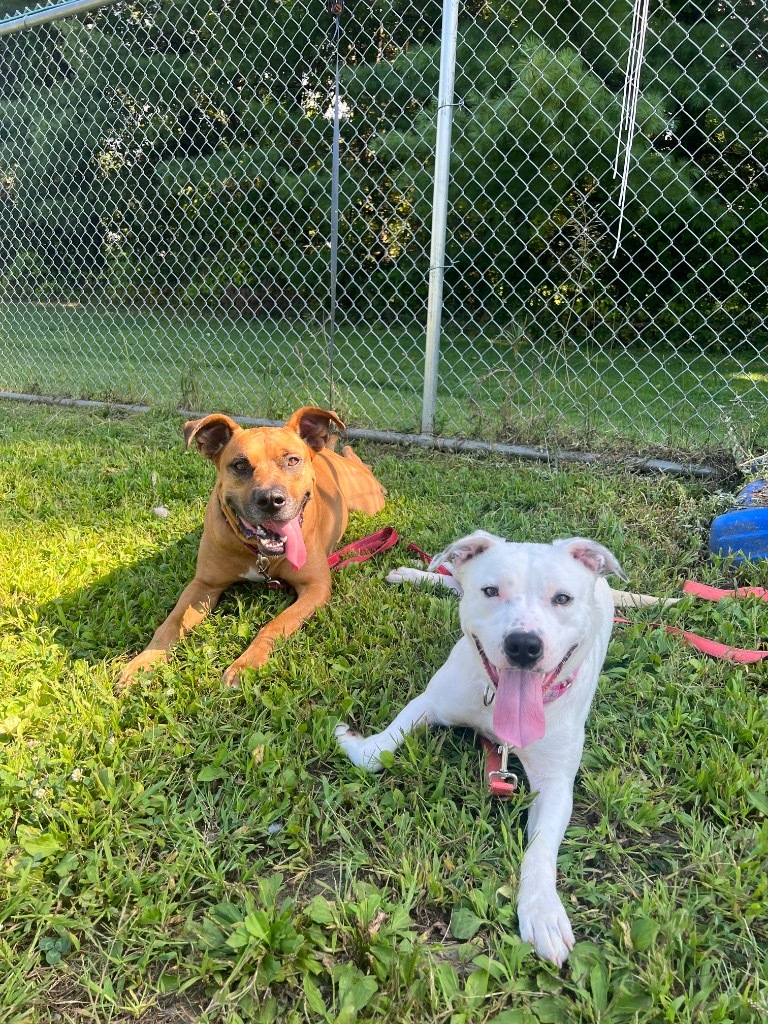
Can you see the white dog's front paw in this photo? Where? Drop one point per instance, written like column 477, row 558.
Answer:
column 357, row 748
column 405, row 575
column 544, row 923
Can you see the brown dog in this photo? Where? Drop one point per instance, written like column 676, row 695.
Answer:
column 279, row 507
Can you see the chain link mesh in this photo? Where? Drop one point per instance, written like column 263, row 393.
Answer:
column 165, row 182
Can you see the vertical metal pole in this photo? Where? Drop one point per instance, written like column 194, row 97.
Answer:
column 335, row 9
column 439, row 211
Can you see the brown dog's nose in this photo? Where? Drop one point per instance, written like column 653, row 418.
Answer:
column 269, row 499
column 523, row 649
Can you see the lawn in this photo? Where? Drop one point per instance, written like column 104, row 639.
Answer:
column 183, row 852
column 494, row 386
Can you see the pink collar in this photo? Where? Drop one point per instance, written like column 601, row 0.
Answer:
column 501, row 782
column 555, row 689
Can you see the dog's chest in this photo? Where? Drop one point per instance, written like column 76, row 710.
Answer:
column 254, row 576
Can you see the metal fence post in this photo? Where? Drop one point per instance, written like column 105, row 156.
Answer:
column 439, row 211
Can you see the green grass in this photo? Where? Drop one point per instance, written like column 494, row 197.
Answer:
column 188, row 853
column 493, row 386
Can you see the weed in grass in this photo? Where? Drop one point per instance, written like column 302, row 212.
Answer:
column 191, row 394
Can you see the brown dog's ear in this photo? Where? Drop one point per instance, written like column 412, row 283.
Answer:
column 593, row 556
column 313, row 425
column 462, row 550
column 210, row 434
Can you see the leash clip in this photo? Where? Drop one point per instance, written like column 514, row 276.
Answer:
column 334, row 7
column 503, row 773
column 262, row 562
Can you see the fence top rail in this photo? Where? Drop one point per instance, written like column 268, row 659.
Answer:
column 46, row 15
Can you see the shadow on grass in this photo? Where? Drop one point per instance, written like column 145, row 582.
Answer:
column 114, row 617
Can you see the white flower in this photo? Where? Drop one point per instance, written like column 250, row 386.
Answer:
column 38, row 793
column 344, row 111
column 76, row 775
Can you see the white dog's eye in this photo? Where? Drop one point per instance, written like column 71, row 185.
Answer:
column 491, row 591
column 562, row 599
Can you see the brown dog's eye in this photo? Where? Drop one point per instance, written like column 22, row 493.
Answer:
column 293, row 460
column 562, row 599
column 240, row 466
column 491, row 591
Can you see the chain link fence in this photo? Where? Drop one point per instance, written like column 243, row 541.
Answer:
column 165, row 194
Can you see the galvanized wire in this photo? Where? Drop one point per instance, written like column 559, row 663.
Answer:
column 165, row 216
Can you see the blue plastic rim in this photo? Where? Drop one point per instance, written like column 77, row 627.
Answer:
column 749, row 494
column 741, row 535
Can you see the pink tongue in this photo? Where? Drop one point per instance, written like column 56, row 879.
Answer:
column 518, row 710
column 295, row 549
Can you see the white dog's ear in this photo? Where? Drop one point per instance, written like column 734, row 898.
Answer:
column 460, row 552
column 592, row 555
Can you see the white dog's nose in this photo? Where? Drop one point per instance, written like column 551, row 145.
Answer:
column 523, row 649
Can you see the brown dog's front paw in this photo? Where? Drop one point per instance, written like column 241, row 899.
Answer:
column 254, row 657
column 141, row 663
column 231, row 676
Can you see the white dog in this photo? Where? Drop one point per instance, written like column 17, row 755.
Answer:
column 536, row 620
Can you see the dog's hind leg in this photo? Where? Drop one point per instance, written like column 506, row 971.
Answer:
column 351, row 454
column 365, row 751
column 362, row 491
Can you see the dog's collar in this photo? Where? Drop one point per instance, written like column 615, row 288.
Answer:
column 501, row 782
column 263, row 561
column 552, row 687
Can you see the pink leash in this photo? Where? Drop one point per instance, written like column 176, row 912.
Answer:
column 739, row 655
column 707, row 593
column 499, row 782
column 365, row 548
column 426, row 559
column 358, row 551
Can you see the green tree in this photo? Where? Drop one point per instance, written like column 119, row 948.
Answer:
column 533, row 194
column 49, row 219
column 183, row 151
